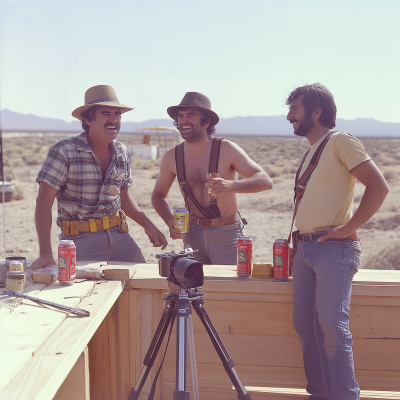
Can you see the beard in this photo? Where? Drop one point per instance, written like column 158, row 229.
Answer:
column 192, row 137
column 305, row 126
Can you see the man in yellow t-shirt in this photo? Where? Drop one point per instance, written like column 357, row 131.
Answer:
column 328, row 252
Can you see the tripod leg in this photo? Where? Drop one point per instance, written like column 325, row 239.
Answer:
column 153, row 349
column 223, row 354
column 182, row 314
column 192, row 354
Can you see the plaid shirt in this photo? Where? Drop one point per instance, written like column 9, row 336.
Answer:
column 73, row 169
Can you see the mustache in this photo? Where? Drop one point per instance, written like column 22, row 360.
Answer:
column 109, row 124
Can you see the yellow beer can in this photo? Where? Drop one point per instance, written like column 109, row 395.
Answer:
column 181, row 217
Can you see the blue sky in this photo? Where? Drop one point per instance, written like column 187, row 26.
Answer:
column 245, row 55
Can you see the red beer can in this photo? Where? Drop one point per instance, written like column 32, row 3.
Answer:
column 66, row 262
column 281, row 260
column 244, row 256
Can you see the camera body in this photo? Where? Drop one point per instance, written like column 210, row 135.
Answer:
column 181, row 268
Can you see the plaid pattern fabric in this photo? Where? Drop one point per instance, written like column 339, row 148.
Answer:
column 72, row 169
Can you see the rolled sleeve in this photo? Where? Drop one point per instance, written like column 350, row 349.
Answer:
column 55, row 168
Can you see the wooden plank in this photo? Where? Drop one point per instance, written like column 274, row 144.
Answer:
column 273, row 351
column 45, row 372
column 25, row 330
column 134, row 320
column 76, row 385
column 248, row 318
column 157, row 311
column 99, row 363
column 375, row 322
column 123, row 345
column 146, row 330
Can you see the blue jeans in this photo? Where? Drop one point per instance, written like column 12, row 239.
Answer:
column 109, row 245
column 215, row 245
column 322, row 278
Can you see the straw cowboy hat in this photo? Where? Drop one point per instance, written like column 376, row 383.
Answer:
column 197, row 100
column 101, row 95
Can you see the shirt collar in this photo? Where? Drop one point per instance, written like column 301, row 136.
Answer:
column 82, row 144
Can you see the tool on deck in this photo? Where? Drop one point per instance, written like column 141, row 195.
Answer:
column 72, row 310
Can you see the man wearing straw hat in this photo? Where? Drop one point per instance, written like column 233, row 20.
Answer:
column 214, row 219
column 90, row 175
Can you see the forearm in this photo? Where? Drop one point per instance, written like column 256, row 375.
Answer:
column 161, row 205
column 133, row 211
column 258, row 182
column 43, row 222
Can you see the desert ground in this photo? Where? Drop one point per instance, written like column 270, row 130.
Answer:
column 268, row 213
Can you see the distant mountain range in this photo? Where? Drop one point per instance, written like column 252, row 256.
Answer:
column 274, row 126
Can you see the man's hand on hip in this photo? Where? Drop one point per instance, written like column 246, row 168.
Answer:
column 336, row 232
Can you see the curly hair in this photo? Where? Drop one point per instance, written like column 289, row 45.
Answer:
column 204, row 118
column 316, row 96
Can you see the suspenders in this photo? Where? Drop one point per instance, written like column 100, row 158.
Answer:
column 181, row 174
column 300, row 184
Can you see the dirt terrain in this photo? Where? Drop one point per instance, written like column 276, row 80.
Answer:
column 268, row 214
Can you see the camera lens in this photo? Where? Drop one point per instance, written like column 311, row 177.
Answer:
column 188, row 272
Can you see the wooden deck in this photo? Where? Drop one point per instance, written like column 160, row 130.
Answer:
column 44, row 354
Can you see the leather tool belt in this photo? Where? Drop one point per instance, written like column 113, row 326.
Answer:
column 213, row 222
column 90, row 225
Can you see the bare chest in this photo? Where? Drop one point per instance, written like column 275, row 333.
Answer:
column 196, row 172
column 104, row 162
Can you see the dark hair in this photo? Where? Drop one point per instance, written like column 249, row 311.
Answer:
column 204, row 118
column 90, row 115
column 316, row 96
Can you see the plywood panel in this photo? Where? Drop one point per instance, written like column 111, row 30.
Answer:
column 375, row 322
column 76, row 386
column 248, row 317
column 134, row 332
column 274, row 351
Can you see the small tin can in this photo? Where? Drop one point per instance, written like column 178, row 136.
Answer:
column 16, row 266
column 244, row 256
column 281, row 260
column 181, row 217
column 66, row 262
column 16, row 281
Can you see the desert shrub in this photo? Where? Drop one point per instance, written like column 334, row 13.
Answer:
column 390, row 174
column 18, row 191
column 385, row 257
column 138, row 163
column 273, row 172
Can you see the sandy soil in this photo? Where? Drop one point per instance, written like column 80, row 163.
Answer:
column 269, row 215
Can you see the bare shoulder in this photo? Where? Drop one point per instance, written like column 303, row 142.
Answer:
column 231, row 148
column 168, row 161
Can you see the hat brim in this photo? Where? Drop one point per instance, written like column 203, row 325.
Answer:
column 77, row 113
column 173, row 112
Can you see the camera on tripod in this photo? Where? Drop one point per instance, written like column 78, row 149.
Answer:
column 181, row 268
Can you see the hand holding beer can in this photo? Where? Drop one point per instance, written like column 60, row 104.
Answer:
column 181, row 218
column 209, row 176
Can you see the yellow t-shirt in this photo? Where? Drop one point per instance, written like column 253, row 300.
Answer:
column 328, row 198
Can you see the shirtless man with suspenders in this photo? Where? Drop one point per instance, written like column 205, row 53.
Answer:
column 214, row 227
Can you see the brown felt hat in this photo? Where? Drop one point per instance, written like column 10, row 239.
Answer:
column 101, row 95
column 197, row 100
